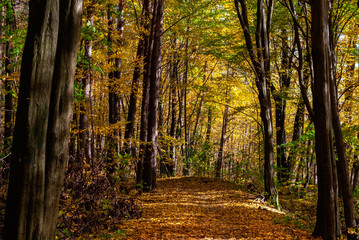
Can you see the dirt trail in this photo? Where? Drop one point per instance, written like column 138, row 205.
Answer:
column 201, row 208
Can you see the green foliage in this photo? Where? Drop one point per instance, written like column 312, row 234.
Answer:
column 124, row 159
column 89, row 31
column 350, row 133
column 121, row 167
column 78, row 92
column 116, row 235
column 356, row 195
column 200, row 158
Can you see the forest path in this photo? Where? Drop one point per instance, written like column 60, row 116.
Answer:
column 204, row 208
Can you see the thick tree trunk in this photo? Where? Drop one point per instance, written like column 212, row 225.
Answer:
column 327, row 224
column 43, row 119
column 269, row 186
column 150, row 159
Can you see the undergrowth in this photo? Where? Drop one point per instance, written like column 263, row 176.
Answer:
column 91, row 201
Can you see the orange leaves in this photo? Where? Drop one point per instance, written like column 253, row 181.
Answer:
column 201, row 208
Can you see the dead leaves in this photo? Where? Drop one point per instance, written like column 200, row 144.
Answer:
column 200, row 208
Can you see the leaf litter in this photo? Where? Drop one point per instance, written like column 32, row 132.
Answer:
column 204, row 208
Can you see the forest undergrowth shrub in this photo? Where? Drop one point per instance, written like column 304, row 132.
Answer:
column 300, row 204
column 90, row 199
column 356, row 200
column 3, row 191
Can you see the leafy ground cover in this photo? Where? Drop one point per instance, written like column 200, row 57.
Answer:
column 204, row 208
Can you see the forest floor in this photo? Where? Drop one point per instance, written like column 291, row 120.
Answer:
column 204, row 208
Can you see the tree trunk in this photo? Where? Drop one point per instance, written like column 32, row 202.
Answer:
column 1, row 36
column 280, row 98
column 223, row 140
column 342, row 165
column 40, row 146
column 208, row 142
column 145, row 96
column 303, row 79
column 327, row 224
column 187, row 165
column 260, row 59
column 355, row 173
column 209, row 124
column 72, row 143
column 114, row 77
column 84, row 133
column 179, row 128
column 130, row 125
column 150, row 159
column 297, row 132
column 174, row 70
column 1, row 68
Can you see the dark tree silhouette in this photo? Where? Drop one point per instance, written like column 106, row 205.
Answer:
column 41, row 135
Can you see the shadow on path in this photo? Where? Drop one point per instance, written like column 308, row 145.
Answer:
column 204, row 208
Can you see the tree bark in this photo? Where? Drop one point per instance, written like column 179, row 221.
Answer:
column 150, row 159
column 297, row 132
column 84, row 133
column 1, row 66
column 303, row 78
column 260, row 59
column 209, row 124
column 221, row 146
column 327, row 224
column 130, row 125
column 40, row 146
column 355, row 173
column 342, row 165
column 145, row 95
column 114, row 77
column 280, row 99
column 173, row 94
column 186, row 163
